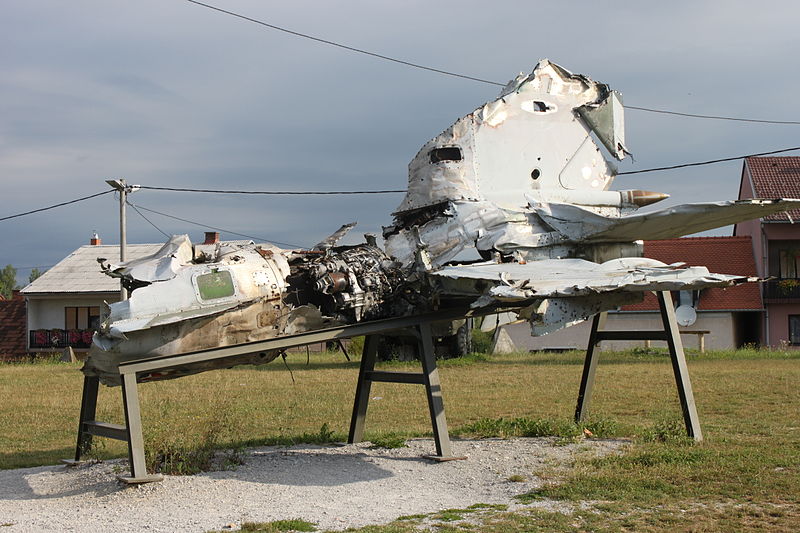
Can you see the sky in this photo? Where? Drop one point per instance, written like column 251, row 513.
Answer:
column 170, row 94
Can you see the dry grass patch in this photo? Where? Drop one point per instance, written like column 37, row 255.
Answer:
column 745, row 476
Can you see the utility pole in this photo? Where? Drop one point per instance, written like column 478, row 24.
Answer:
column 123, row 188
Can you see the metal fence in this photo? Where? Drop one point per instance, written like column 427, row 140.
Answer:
column 782, row 289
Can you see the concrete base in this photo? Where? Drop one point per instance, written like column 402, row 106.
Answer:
column 73, row 462
column 440, row 459
column 138, row 480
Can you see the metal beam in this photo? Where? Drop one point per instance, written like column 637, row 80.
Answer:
column 679, row 367
column 363, row 386
column 396, row 377
column 589, row 368
column 631, row 335
column 91, row 385
column 433, row 389
column 133, row 424
column 104, row 429
column 288, row 341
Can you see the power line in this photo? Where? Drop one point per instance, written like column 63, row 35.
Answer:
column 56, row 205
column 463, row 76
column 708, row 162
column 165, row 234
column 713, row 117
column 218, row 191
column 212, row 227
column 343, row 46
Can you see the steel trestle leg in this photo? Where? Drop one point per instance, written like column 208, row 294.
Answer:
column 589, row 367
column 433, row 390
column 133, row 423
column 363, row 387
column 91, row 386
column 679, row 367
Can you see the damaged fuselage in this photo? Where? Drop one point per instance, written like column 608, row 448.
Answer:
column 187, row 298
column 520, row 180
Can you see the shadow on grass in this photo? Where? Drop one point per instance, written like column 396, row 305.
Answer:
column 26, row 459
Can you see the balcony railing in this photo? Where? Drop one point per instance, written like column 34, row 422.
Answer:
column 782, row 289
column 60, row 338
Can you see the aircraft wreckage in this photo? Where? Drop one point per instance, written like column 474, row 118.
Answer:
column 520, row 179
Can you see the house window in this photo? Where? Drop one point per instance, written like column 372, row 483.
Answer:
column 789, row 267
column 81, row 317
column 794, row 329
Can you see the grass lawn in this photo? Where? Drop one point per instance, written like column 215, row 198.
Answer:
column 744, row 476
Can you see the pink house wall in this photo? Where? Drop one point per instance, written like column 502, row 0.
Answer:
column 775, row 330
column 752, row 227
column 779, row 322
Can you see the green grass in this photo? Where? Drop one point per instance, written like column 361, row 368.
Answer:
column 744, row 477
column 277, row 526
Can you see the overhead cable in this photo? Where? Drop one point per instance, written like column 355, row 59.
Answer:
column 464, row 76
column 684, row 165
column 218, row 191
column 201, row 224
column 712, row 117
column 164, row 233
column 343, row 46
column 56, row 205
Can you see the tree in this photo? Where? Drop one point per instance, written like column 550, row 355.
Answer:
column 35, row 273
column 8, row 281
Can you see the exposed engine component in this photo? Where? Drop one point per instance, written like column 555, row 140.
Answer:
column 351, row 283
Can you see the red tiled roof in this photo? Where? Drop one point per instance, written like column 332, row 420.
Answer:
column 722, row 255
column 776, row 177
column 13, row 327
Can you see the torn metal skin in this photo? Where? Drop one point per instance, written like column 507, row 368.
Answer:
column 187, row 298
column 520, row 180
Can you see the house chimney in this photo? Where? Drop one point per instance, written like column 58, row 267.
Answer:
column 95, row 240
column 212, row 237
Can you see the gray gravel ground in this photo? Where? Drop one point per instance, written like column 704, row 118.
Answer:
column 333, row 486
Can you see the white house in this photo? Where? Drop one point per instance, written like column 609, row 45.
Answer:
column 64, row 304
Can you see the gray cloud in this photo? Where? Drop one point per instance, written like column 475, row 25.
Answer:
column 167, row 93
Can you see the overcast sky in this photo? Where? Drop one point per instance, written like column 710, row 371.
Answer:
column 167, row 93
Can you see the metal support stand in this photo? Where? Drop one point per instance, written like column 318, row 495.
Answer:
column 133, row 425
column 88, row 413
column 671, row 335
column 131, row 432
column 428, row 377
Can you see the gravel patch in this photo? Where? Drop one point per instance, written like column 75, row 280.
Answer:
column 334, row 487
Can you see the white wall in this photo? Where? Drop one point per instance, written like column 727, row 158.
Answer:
column 720, row 324
column 48, row 313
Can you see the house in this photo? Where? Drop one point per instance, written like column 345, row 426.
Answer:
column 13, row 345
column 776, row 245
column 64, row 303
column 725, row 317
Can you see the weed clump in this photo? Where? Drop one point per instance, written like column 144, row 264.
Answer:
column 294, row 524
column 388, row 440
column 667, row 430
column 183, row 454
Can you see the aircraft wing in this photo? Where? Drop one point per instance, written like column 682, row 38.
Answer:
column 579, row 224
column 562, row 292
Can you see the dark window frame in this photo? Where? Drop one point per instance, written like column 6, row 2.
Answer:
column 794, row 340
column 81, row 317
